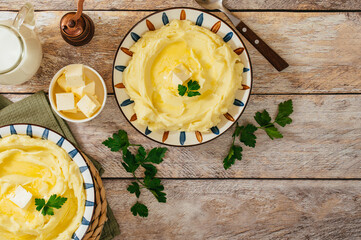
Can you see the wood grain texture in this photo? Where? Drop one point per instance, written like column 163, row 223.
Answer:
column 324, row 141
column 277, row 62
column 160, row 4
column 242, row 209
column 323, row 50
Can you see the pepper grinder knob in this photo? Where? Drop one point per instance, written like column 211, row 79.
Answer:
column 77, row 28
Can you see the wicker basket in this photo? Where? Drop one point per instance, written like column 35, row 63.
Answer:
column 100, row 208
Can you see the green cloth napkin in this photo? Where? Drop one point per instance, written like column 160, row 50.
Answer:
column 35, row 109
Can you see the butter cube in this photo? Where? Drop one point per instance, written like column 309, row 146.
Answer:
column 180, row 74
column 62, row 83
column 88, row 105
column 74, row 75
column 78, row 92
column 21, row 197
column 65, row 101
column 87, row 89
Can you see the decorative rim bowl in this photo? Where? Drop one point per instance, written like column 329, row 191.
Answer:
column 200, row 18
column 33, row 130
column 51, row 87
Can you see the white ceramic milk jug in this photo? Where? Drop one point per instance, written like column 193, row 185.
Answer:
column 20, row 48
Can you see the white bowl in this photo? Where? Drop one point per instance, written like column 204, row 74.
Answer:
column 92, row 75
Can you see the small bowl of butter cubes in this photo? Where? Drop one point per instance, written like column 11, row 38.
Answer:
column 77, row 93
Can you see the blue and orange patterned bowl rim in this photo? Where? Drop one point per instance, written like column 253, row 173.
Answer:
column 33, row 130
column 199, row 21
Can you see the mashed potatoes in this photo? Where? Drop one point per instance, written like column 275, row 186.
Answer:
column 43, row 169
column 212, row 63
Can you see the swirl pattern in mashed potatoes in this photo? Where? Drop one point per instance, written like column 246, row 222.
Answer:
column 43, row 169
column 212, row 63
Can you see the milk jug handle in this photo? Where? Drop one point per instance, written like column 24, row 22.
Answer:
column 25, row 16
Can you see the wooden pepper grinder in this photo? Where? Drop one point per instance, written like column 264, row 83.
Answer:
column 77, row 28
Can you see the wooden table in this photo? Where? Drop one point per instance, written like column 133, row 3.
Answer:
column 304, row 186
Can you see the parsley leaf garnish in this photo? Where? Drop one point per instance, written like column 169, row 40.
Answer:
column 193, row 85
column 246, row 133
column 193, row 94
column 132, row 162
column 190, row 89
column 182, row 90
column 47, row 208
column 139, row 209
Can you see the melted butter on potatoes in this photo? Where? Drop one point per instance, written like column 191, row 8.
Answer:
column 211, row 61
column 42, row 168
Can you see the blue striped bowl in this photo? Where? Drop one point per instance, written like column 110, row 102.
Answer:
column 156, row 21
column 45, row 133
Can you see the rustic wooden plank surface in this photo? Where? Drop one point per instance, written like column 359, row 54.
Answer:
column 160, row 4
column 323, row 50
column 242, row 209
column 324, row 141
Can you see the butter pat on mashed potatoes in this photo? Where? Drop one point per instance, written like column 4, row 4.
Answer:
column 21, row 197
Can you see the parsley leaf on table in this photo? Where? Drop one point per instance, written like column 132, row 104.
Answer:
column 273, row 132
column 134, row 188
column 237, row 131
column 132, row 162
column 156, row 155
column 139, row 209
column 284, row 111
column 246, row 133
column 262, row 118
column 48, row 207
column 118, row 142
column 155, row 186
column 141, row 154
column 235, row 152
column 150, row 170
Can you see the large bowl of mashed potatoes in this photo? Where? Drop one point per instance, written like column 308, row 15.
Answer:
column 182, row 76
column 42, row 163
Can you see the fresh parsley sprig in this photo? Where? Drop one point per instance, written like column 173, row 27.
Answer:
column 246, row 133
column 190, row 89
column 47, row 208
column 132, row 162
